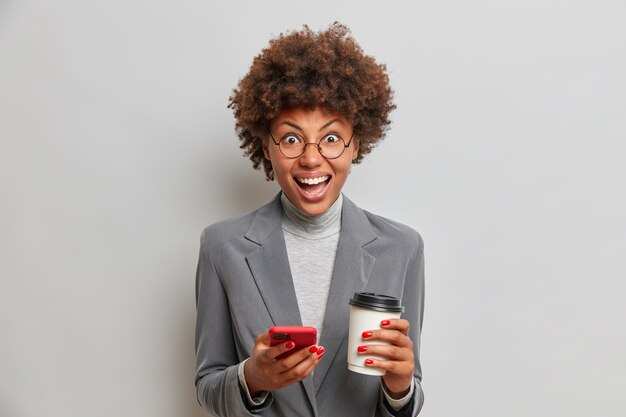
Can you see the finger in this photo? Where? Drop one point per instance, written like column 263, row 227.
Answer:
column 310, row 369
column 396, row 324
column 295, row 358
column 271, row 353
column 303, row 369
column 394, row 367
column 395, row 337
column 388, row 351
column 263, row 340
column 262, row 343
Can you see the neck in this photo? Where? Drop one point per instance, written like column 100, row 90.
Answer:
column 313, row 227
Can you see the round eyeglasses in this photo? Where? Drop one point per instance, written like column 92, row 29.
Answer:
column 330, row 146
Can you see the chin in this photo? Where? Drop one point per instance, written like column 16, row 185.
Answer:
column 317, row 208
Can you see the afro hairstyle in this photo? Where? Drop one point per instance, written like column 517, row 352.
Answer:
column 325, row 69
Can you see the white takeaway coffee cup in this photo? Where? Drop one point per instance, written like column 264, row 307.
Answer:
column 367, row 310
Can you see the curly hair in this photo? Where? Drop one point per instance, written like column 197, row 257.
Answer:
column 325, row 69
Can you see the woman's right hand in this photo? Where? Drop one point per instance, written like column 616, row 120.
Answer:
column 263, row 372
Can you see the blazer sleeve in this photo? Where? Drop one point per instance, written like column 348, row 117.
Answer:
column 413, row 300
column 217, row 384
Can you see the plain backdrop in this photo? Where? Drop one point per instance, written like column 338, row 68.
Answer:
column 507, row 153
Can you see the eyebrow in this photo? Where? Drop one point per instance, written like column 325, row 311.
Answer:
column 330, row 123
column 295, row 126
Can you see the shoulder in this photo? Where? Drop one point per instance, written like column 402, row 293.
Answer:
column 385, row 230
column 386, row 227
column 240, row 233
column 226, row 230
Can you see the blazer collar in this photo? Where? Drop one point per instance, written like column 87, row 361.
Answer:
column 269, row 217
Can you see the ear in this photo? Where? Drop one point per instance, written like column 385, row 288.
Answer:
column 266, row 150
column 355, row 148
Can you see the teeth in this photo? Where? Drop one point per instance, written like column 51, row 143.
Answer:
column 313, row 181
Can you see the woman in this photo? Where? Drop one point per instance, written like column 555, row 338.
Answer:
column 311, row 105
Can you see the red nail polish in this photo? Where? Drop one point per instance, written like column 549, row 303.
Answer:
column 369, row 361
column 366, row 335
column 313, row 349
column 362, row 348
column 290, row 345
column 320, row 357
column 320, row 351
column 385, row 323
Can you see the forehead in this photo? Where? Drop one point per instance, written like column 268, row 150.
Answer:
column 308, row 118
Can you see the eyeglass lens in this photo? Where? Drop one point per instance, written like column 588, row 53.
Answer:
column 328, row 148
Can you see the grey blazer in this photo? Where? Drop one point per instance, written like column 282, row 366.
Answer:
column 244, row 286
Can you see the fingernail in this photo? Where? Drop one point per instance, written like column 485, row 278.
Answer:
column 320, row 357
column 366, row 335
column 362, row 348
column 320, row 351
column 313, row 349
column 385, row 323
column 290, row 345
column 369, row 361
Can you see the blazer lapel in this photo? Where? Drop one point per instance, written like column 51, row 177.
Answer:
column 351, row 272
column 269, row 265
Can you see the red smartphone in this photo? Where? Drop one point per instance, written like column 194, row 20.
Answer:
column 302, row 336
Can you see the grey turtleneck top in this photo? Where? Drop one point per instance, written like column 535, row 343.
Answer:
column 311, row 243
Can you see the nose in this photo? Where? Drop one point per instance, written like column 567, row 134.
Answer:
column 311, row 156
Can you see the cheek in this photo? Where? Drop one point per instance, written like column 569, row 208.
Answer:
column 282, row 168
column 343, row 169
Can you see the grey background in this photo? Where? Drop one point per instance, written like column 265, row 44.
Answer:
column 506, row 152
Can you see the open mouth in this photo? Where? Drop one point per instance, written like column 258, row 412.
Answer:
column 313, row 187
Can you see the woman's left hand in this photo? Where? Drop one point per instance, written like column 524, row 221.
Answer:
column 399, row 353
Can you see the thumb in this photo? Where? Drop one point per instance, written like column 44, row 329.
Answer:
column 262, row 341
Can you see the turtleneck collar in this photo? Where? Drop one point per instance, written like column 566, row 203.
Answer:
column 308, row 226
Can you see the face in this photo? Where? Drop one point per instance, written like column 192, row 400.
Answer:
column 311, row 182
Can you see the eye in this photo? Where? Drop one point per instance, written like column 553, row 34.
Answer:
column 331, row 138
column 290, row 140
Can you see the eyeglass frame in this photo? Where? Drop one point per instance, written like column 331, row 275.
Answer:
column 319, row 149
